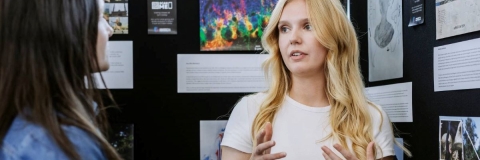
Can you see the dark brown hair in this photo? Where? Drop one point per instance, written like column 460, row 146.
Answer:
column 47, row 57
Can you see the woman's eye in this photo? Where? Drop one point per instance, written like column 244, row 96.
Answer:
column 308, row 27
column 283, row 29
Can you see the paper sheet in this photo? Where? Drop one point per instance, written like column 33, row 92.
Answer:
column 120, row 73
column 220, row 73
column 395, row 99
column 457, row 66
column 455, row 17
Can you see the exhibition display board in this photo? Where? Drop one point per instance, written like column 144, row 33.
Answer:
column 168, row 121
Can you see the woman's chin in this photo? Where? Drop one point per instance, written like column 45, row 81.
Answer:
column 104, row 67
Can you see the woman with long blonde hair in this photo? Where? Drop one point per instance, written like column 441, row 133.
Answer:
column 315, row 107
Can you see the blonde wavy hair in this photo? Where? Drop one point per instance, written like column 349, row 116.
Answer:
column 350, row 118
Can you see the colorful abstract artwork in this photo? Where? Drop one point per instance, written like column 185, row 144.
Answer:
column 233, row 25
column 211, row 135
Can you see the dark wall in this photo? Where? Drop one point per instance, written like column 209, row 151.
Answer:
column 423, row 133
column 167, row 123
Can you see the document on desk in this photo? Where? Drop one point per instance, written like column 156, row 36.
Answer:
column 395, row 99
column 455, row 17
column 120, row 73
column 457, row 66
column 220, row 73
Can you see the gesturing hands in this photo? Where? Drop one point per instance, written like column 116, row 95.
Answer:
column 264, row 145
column 329, row 155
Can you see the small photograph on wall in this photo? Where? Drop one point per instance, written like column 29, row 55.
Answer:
column 121, row 138
column 232, row 25
column 463, row 137
column 116, row 14
column 211, row 135
column 385, row 40
column 451, row 140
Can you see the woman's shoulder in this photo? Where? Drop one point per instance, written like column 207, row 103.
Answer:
column 380, row 119
column 253, row 101
column 249, row 105
column 256, row 97
column 25, row 139
column 375, row 110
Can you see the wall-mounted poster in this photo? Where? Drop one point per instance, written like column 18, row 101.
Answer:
column 121, row 138
column 120, row 73
column 417, row 15
column 459, row 138
column 232, row 24
column 385, row 40
column 220, row 73
column 116, row 14
column 456, row 66
column 211, row 135
column 162, row 16
column 395, row 99
column 455, row 17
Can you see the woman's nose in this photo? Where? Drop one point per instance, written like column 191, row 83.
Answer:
column 295, row 37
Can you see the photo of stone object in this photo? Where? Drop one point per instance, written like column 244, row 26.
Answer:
column 385, row 40
column 384, row 30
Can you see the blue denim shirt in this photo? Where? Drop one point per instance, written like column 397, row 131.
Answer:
column 27, row 141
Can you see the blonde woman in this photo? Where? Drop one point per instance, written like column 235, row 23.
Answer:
column 315, row 107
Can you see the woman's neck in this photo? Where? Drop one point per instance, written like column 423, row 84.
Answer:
column 309, row 91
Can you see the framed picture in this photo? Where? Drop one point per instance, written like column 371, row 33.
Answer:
column 451, row 140
column 116, row 14
column 232, row 25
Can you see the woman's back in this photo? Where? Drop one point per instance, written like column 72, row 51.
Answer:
column 26, row 140
column 48, row 56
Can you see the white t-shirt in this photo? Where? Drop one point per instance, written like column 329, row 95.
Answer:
column 297, row 129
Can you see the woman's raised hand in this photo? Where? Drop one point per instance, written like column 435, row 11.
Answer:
column 264, row 145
